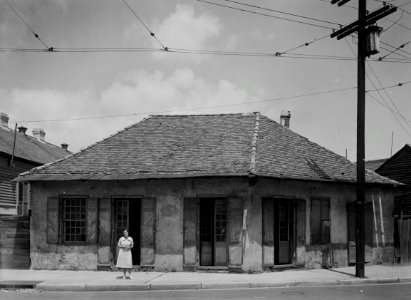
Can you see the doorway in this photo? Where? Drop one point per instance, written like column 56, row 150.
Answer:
column 213, row 232
column 278, row 231
column 127, row 215
column 283, row 231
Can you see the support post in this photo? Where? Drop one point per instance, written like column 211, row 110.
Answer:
column 360, row 250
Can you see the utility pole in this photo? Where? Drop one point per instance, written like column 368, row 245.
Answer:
column 366, row 37
column 359, row 241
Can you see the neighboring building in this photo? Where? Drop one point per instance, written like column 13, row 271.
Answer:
column 374, row 164
column 398, row 168
column 18, row 153
column 231, row 191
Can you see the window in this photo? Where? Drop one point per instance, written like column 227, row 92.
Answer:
column 320, row 221
column 74, row 219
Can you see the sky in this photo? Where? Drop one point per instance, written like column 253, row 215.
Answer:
column 53, row 90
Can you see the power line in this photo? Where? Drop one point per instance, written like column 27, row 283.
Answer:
column 398, row 7
column 204, row 52
column 388, row 50
column 264, row 14
column 27, row 25
column 282, row 12
column 391, row 86
column 305, row 44
column 141, row 21
column 214, row 106
column 401, row 50
column 394, row 23
column 385, row 104
column 193, row 109
column 396, row 49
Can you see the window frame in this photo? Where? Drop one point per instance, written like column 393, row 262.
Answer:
column 320, row 240
column 62, row 220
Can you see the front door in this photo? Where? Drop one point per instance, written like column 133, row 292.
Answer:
column 127, row 215
column 213, row 232
column 283, row 231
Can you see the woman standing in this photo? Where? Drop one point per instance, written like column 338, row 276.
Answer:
column 124, row 259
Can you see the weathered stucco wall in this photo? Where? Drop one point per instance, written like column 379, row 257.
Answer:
column 334, row 254
column 169, row 227
column 169, row 195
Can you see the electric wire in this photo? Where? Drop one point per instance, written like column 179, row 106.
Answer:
column 305, row 44
column 28, row 26
column 396, row 49
column 193, row 109
column 401, row 50
column 398, row 7
column 406, row 60
column 282, row 12
column 210, row 107
column 385, row 104
column 394, row 23
column 388, row 50
column 266, row 15
column 141, row 21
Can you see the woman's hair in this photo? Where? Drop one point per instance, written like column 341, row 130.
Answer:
column 125, row 229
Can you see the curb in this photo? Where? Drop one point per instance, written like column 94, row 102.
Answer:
column 77, row 287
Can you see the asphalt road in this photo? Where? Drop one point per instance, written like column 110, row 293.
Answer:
column 380, row 291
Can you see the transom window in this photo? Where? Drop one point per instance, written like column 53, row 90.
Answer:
column 74, row 219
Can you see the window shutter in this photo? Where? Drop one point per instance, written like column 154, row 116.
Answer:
column 235, row 226
column 268, row 232
column 104, row 221
column 190, row 231
column 91, row 212
column 53, row 220
column 300, row 230
column 148, row 217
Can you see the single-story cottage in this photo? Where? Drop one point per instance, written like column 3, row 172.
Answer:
column 225, row 191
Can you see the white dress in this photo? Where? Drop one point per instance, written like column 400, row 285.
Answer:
column 124, row 259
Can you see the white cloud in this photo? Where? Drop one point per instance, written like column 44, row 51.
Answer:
column 136, row 91
column 186, row 29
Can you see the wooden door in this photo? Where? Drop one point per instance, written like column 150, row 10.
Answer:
column 213, row 232
column 284, row 231
column 220, row 232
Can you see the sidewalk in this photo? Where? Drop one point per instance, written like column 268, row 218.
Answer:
column 142, row 281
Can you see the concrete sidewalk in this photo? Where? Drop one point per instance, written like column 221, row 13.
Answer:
column 142, row 281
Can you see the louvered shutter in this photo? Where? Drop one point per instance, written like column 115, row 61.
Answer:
column 235, row 225
column 104, row 221
column 53, row 220
column 190, row 231
column 91, row 205
column 148, row 219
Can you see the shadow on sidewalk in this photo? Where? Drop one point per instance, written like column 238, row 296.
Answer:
column 341, row 272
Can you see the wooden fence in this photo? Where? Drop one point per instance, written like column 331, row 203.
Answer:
column 14, row 242
column 404, row 229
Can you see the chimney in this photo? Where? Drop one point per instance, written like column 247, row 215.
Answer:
column 64, row 146
column 22, row 129
column 39, row 134
column 285, row 118
column 4, row 119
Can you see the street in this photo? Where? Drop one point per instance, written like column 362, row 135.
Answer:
column 380, row 291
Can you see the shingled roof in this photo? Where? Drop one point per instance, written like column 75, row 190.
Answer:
column 29, row 148
column 203, row 145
